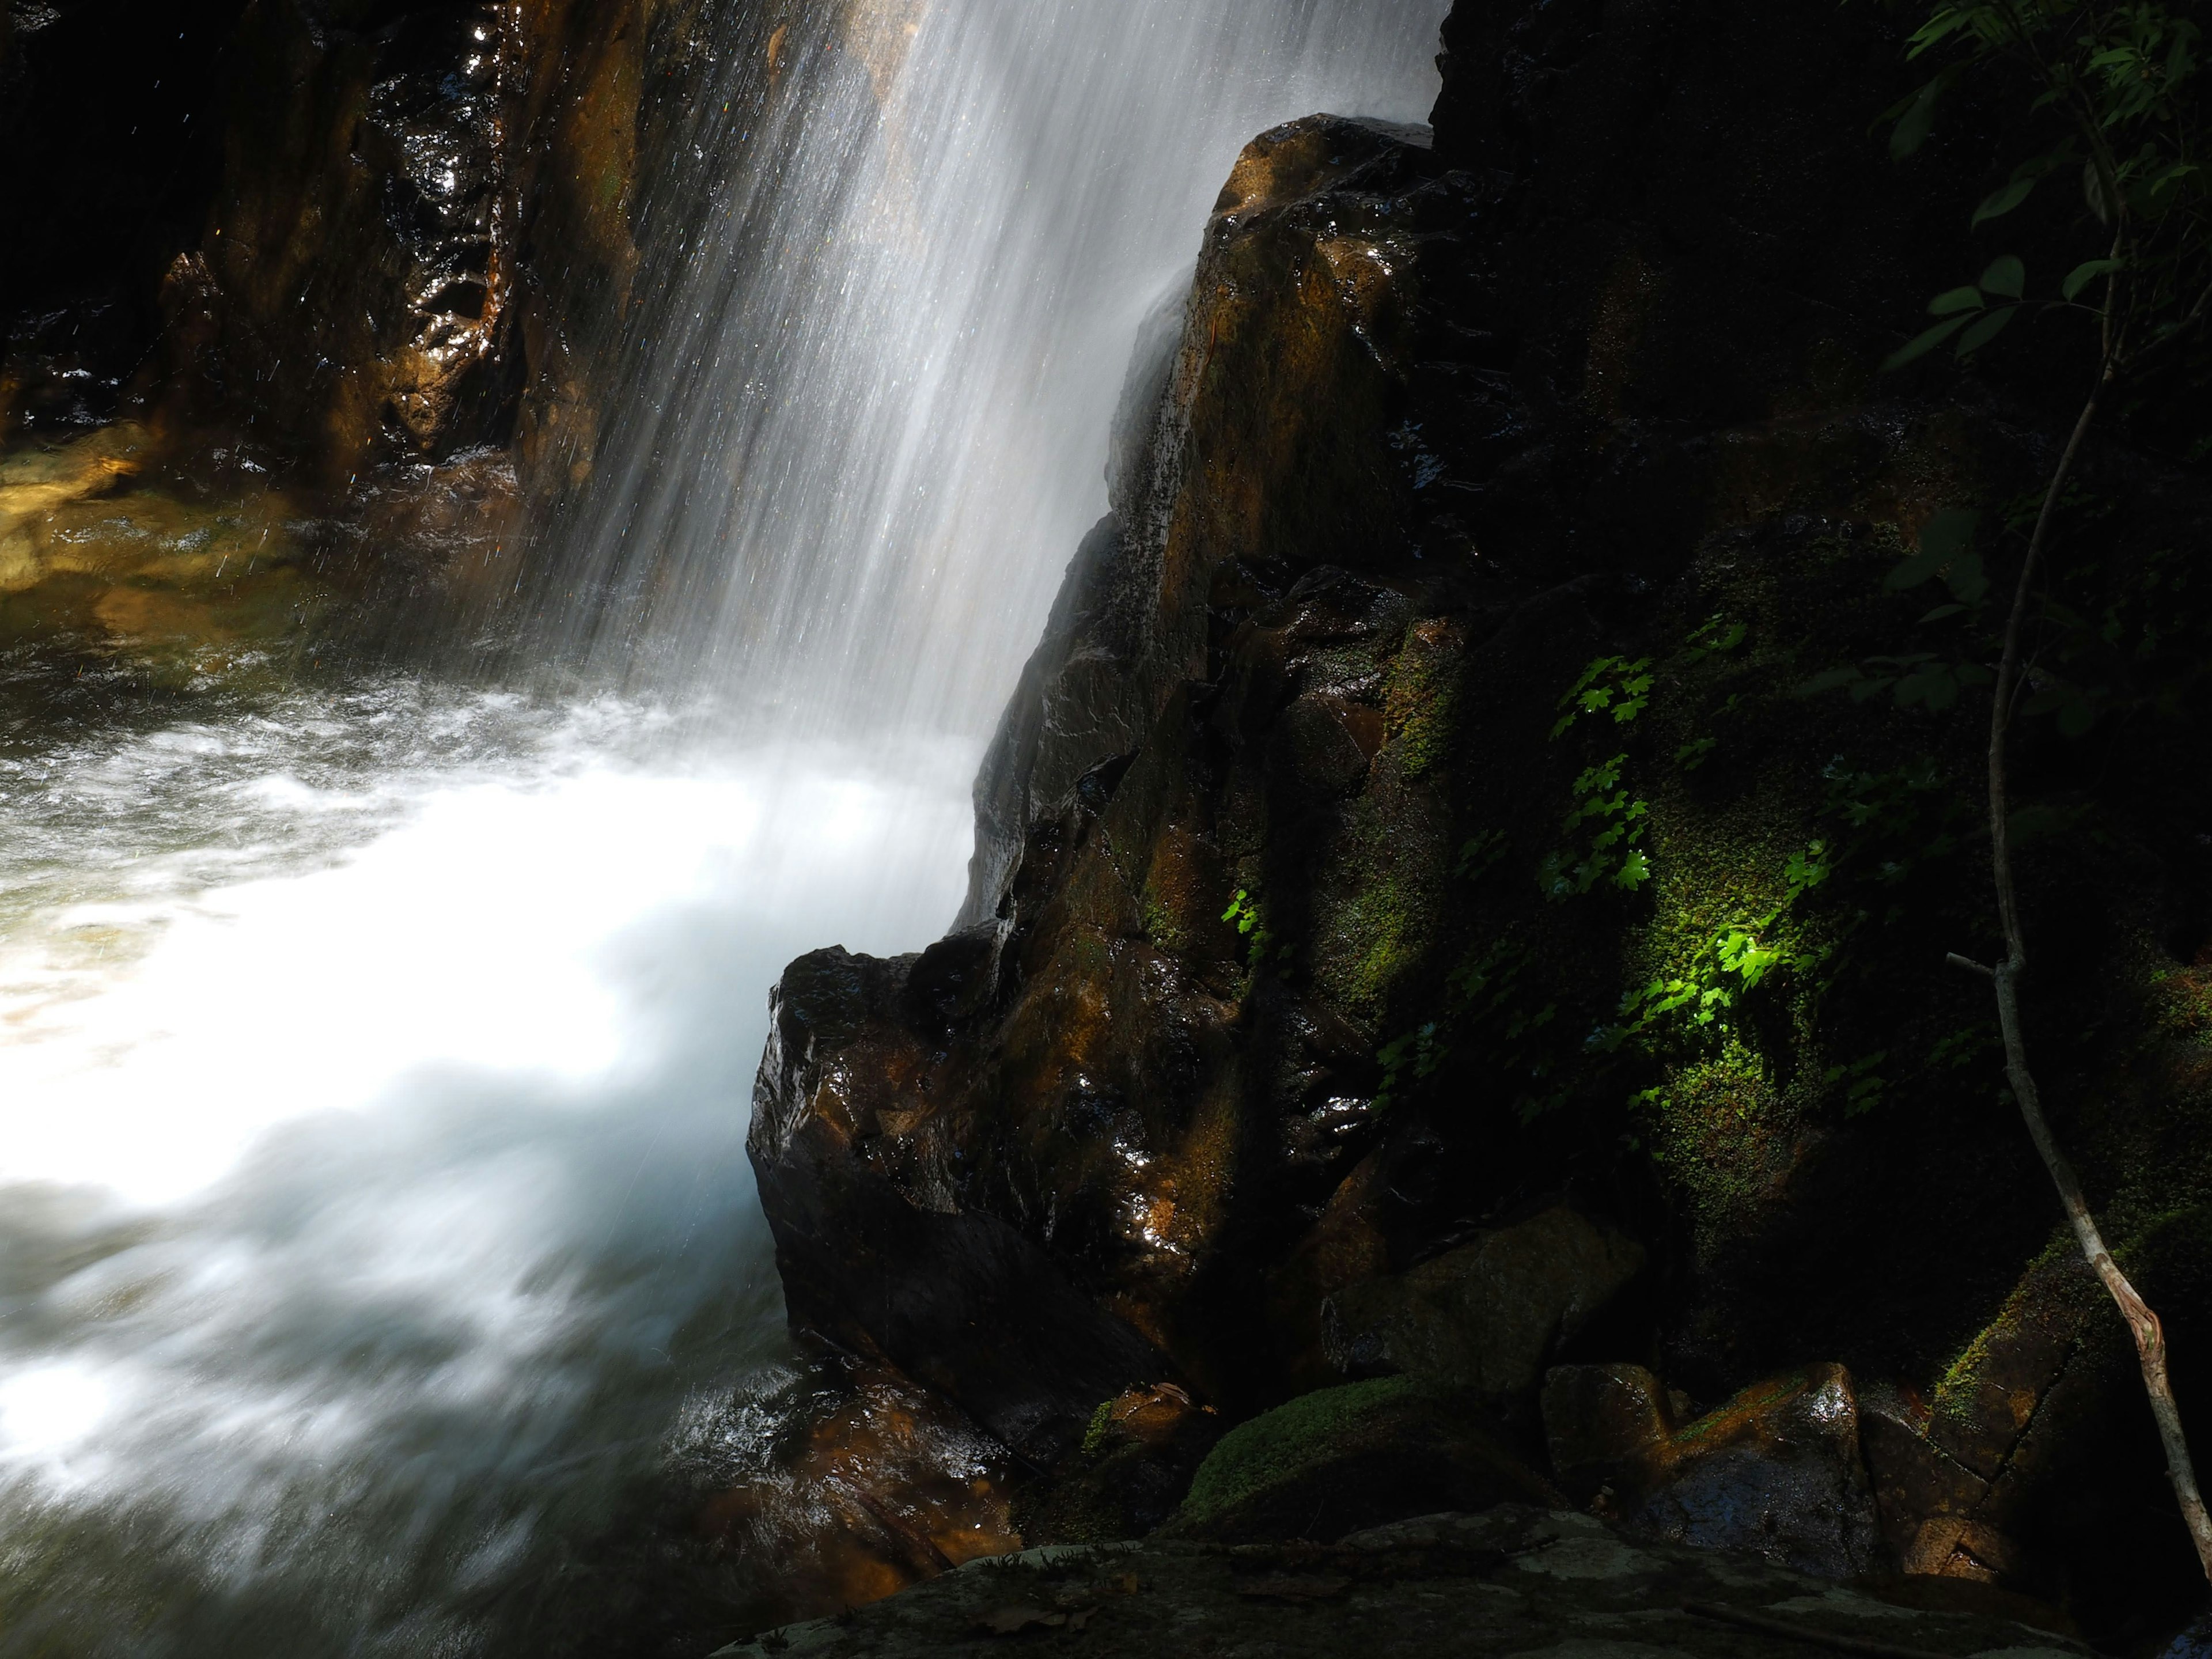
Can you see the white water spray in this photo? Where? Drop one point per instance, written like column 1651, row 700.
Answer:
column 374, row 1062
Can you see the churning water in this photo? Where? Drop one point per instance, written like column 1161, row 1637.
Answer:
column 375, row 1054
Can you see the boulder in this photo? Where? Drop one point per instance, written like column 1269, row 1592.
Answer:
column 1356, row 1455
column 1486, row 1317
column 1135, row 1464
column 877, row 1251
column 1604, row 1425
column 1777, row 1470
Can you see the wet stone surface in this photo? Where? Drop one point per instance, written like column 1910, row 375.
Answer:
column 1511, row 1581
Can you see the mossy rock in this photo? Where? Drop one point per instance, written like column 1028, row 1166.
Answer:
column 1337, row 1460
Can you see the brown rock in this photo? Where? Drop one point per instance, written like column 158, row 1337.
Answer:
column 1135, row 1464
column 1923, row 1498
column 1605, row 1426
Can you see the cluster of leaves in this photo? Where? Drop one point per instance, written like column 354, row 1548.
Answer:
column 1926, row 679
column 1244, row 912
column 1729, row 965
column 2121, row 80
column 1605, row 827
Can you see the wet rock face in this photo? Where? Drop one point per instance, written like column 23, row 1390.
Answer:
column 1776, row 1471
column 361, row 255
column 876, row 1251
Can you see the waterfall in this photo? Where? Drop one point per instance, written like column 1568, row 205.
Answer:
column 374, row 1054
column 866, row 396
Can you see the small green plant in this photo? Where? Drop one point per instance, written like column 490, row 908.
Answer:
column 1612, row 854
column 1728, row 966
column 1611, row 685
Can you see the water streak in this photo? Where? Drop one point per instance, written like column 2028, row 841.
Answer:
column 869, row 397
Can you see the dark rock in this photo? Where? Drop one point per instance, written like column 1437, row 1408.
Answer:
column 1348, row 1457
column 875, row 1253
column 1484, row 1317
column 879, row 1483
column 1134, row 1465
column 955, row 979
column 1776, row 1472
column 1510, row 1581
column 1923, row 1498
column 1604, row 1425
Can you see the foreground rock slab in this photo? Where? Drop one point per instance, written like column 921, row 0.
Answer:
column 1511, row 1581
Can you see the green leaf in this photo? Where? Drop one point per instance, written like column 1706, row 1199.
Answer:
column 1936, row 687
column 1830, row 680
column 1986, row 331
column 1942, row 612
column 1921, row 345
column 1943, row 538
column 1968, row 583
column 1950, row 532
column 2093, row 192
column 2006, row 276
column 1997, row 204
column 1913, row 126
column 2086, row 273
column 1954, row 300
column 1915, row 569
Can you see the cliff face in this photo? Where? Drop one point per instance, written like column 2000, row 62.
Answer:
column 353, row 272
column 1414, row 821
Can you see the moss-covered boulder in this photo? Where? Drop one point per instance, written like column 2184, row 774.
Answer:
column 1344, row 1458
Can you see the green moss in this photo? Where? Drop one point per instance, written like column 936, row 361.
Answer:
column 1162, row 927
column 1714, row 1140
column 1421, row 701
column 1275, row 1446
column 1101, row 1423
column 1388, row 925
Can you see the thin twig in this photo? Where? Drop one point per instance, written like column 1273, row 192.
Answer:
column 2143, row 1323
